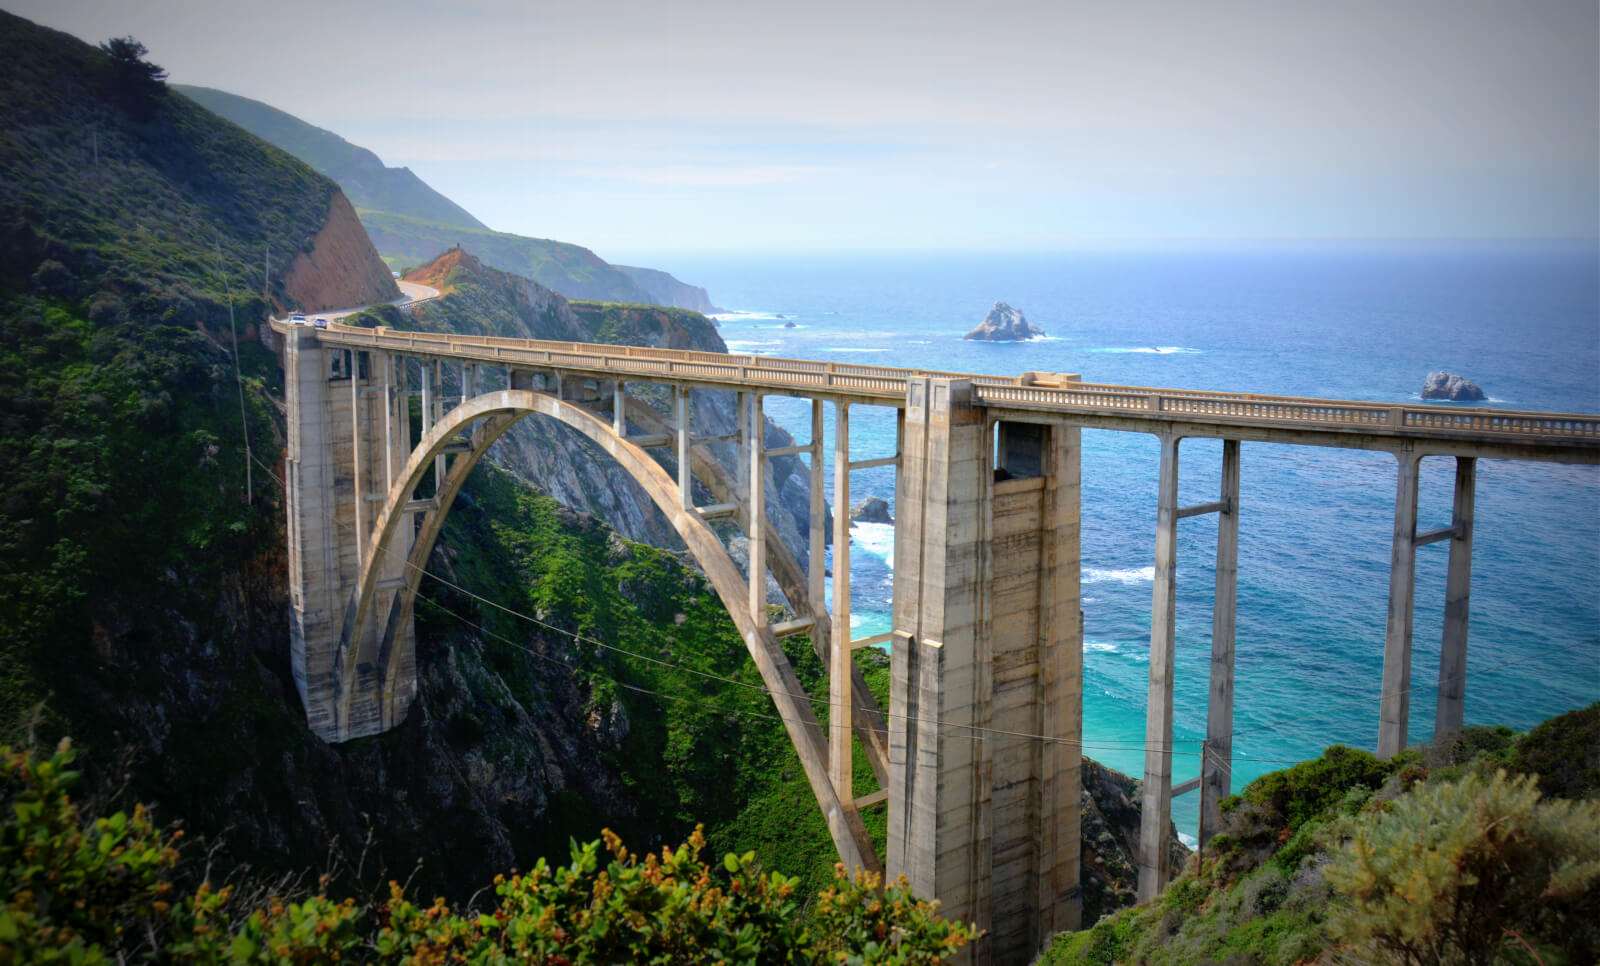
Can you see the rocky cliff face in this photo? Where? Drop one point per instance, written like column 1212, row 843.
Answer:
column 341, row 268
column 1110, row 862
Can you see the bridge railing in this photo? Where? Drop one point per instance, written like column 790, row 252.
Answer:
column 1031, row 391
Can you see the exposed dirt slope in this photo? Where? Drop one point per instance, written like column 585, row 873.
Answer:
column 342, row 269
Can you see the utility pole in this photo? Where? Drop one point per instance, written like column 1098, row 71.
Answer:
column 238, row 378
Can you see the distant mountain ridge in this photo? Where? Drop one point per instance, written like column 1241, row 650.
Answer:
column 410, row 223
column 366, row 181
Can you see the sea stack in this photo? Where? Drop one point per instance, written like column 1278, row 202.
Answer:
column 873, row 509
column 1004, row 324
column 1448, row 385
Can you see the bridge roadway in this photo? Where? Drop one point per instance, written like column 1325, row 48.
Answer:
column 987, row 638
column 1347, row 424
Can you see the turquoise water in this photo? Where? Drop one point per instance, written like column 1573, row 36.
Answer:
column 1315, row 522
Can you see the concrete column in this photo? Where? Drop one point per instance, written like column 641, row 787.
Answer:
column 357, row 445
column 1216, row 765
column 1449, row 716
column 839, row 664
column 685, row 473
column 1395, row 702
column 758, row 511
column 817, row 552
column 1155, row 808
column 315, row 605
column 619, row 408
column 939, row 774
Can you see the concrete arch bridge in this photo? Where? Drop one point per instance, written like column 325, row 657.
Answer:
column 986, row 641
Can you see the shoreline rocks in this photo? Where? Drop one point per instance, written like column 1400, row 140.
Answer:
column 1004, row 324
column 873, row 509
column 1448, row 385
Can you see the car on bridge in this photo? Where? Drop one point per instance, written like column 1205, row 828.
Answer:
column 321, row 323
column 298, row 320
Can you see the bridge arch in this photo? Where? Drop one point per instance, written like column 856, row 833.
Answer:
column 487, row 417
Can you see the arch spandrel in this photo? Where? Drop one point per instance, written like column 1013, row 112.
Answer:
column 496, row 412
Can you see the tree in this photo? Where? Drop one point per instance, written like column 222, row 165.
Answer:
column 132, row 80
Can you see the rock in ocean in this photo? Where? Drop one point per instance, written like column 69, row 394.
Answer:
column 1004, row 324
column 1448, row 385
column 873, row 509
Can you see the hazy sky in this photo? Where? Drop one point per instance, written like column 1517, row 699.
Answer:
column 825, row 125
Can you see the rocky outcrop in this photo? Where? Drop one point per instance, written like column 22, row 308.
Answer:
column 1448, row 385
column 873, row 509
column 341, row 268
column 1004, row 324
column 1110, row 858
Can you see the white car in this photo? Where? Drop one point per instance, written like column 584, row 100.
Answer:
column 298, row 320
column 321, row 323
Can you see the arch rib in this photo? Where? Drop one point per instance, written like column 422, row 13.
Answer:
column 499, row 411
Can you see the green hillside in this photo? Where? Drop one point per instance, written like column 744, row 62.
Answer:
column 410, row 222
column 572, row 270
column 365, row 179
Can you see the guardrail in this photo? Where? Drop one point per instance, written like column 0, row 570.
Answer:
column 1044, row 392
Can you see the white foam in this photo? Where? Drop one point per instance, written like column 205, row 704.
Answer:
column 1101, row 647
column 1092, row 575
column 842, row 348
column 1151, row 350
column 746, row 343
column 876, row 539
column 1188, row 840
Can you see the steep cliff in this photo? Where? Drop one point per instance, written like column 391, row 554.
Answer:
column 666, row 290
column 341, row 268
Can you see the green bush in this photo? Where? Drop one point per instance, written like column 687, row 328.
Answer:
column 1478, row 870
column 93, row 891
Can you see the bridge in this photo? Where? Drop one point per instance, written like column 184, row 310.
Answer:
column 978, row 756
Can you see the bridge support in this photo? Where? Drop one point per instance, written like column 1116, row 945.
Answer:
column 987, row 655
column 1395, row 702
column 348, row 432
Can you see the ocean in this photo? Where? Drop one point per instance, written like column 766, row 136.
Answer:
column 1315, row 522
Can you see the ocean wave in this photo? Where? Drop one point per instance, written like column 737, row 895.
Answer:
column 742, row 316
column 1101, row 647
column 1150, row 350
column 850, row 348
column 747, row 343
column 876, row 539
column 1189, row 840
column 1092, row 575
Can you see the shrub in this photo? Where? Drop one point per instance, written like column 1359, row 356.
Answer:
column 1471, row 870
column 86, row 892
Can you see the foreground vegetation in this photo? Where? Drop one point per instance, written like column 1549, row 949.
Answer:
column 1485, row 851
column 93, row 889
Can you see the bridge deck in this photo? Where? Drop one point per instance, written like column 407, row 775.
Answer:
column 1516, row 434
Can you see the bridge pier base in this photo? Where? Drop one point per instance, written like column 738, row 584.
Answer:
column 347, row 430
column 987, row 657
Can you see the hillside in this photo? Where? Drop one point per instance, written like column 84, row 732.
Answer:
column 410, row 222
column 572, row 270
column 365, row 179
column 1483, row 850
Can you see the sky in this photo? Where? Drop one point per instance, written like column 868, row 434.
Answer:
column 746, row 125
